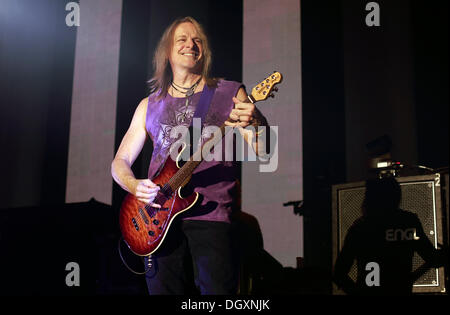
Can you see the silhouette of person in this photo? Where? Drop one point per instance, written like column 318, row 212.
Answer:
column 383, row 241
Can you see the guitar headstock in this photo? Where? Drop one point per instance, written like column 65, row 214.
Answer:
column 266, row 88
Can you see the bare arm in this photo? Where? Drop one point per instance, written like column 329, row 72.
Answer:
column 129, row 149
column 245, row 111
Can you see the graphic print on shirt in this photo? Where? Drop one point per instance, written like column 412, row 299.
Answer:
column 179, row 117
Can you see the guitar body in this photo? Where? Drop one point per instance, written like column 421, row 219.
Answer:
column 143, row 227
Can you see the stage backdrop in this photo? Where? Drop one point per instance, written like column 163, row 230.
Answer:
column 271, row 42
column 92, row 125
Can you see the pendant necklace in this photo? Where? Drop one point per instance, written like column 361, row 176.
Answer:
column 188, row 92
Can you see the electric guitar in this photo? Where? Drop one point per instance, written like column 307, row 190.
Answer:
column 144, row 227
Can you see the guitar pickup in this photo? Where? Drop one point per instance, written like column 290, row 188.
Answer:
column 143, row 216
column 153, row 210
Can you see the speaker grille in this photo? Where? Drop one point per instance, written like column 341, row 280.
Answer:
column 420, row 195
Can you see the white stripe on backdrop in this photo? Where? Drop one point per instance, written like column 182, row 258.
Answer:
column 94, row 97
column 271, row 42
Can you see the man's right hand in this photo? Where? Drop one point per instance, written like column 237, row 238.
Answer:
column 146, row 191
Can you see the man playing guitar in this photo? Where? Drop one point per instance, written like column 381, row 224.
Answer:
column 201, row 237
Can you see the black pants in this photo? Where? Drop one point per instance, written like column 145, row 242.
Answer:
column 194, row 252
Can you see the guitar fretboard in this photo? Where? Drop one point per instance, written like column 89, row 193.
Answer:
column 194, row 161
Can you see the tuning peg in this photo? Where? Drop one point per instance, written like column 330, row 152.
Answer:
column 275, row 89
column 271, row 95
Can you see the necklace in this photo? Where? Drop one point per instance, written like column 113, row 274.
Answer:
column 188, row 92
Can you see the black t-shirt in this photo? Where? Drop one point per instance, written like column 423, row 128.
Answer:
column 389, row 241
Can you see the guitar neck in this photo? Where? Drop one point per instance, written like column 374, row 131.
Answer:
column 194, row 161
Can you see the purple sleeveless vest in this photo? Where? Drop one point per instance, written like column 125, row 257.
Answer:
column 214, row 180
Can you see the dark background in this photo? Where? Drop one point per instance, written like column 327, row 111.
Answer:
column 390, row 80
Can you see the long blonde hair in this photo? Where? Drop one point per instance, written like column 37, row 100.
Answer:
column 162, row 75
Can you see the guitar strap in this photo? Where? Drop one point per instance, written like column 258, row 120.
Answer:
column 203, row 103
column 200, row 112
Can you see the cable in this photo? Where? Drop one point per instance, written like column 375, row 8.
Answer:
column 123, row 261
column 423, row 167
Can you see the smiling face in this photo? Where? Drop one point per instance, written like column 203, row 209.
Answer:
column 187, row 50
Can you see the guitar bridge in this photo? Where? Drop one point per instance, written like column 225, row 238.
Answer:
column 136, row 226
